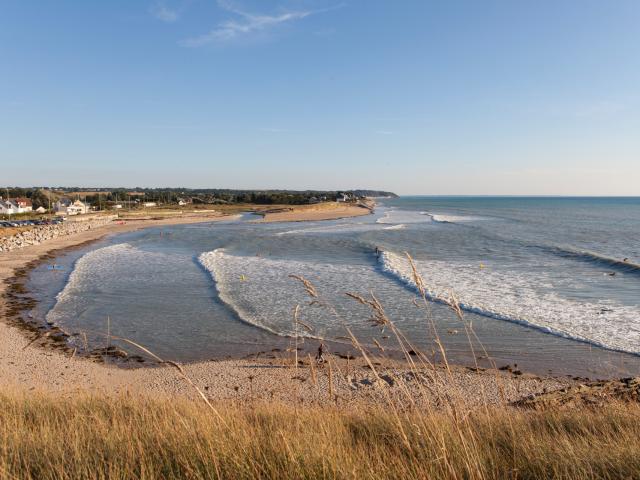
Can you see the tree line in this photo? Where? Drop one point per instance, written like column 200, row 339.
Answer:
column 41, row 196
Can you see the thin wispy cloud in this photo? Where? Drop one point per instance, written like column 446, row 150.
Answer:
column 164, row 13
column 247, row 23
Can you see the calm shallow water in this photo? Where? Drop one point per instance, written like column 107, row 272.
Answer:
column 543, row 281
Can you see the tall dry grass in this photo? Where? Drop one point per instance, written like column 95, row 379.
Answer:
column 46, row 437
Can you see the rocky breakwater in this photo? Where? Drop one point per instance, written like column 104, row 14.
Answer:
column 42, row 233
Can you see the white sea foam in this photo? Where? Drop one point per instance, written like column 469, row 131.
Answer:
column 91, row 262
column 446, row 218
column 526, row 299
column 395, row 217
column 335, row 228
column 262, row 293
column 398, row 216
column 102, row 275
column 395, row 227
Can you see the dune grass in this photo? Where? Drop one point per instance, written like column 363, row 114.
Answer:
column 44, row 436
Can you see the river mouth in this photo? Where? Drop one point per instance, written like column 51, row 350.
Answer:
column 152, row 287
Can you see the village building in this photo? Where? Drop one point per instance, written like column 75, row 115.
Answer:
column 12, row 206
column 65, row 206
column 344, row 197
column 24, row 204
column 6, row 207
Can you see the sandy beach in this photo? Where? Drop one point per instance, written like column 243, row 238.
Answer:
column 321, row 211
column 30, row 363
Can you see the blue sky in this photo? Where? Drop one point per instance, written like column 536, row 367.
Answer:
column 419, row 97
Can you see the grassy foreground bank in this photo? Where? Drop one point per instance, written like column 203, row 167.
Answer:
column 46, row 436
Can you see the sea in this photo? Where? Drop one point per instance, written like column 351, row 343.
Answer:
column 545, row 285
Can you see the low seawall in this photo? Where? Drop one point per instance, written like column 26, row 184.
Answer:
column 42, row 233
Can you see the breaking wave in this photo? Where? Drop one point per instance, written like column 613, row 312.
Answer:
column 395, row 227
column 216, row 263
column 335, row 229
column 396, row 217
column 525, row 299
column 623, row 265
column 442, row 218
column 87, row 269
column 262, row 293
column 104, row 282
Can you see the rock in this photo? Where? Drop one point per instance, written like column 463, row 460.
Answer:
column 377, row 383
column 585, row 394
column 42, row 233
column 111, row 351
column 380, row 384
column 387, row 378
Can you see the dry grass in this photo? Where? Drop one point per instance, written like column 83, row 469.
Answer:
column 103, row 437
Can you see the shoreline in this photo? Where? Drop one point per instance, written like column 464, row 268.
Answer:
column 14, row 302
column 26, row 365
column 317, row 212
column 36, row 338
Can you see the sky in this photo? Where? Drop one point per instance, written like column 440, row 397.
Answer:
column 414, row 96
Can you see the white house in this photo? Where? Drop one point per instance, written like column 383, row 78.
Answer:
column 149, row 204
column 64, row 206
column 78, row 207
column 7, row 208
column 60, row 207
column 40, row 210
column 23, row 204
column 15, row 205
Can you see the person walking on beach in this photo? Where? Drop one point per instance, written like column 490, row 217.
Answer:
column 320, row 355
